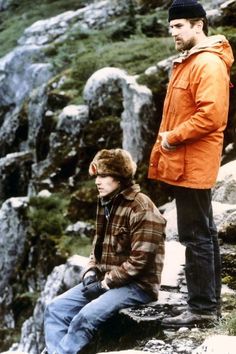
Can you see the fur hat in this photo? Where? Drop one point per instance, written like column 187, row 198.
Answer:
column 186, row 9
column 114, row 162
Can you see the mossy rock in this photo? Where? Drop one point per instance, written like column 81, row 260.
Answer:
column 104, row 133
column 58, row 99
column 229, row 266
column 83, row 202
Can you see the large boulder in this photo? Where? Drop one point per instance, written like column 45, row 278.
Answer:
column 225, row 189
column 22, row 70
column 64, row 143
column 113, row 91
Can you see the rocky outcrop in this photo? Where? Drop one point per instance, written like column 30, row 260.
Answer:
column 15, row 174
column 225, row 189
column 13, row 232
column 224, row 205
column 22, row 70
column 13, row 235
column 96, row 15
column 113, row 91
column 62, row 278
column 64, row 143
column 217, row 344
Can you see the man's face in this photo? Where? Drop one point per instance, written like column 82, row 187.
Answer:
column 184, row 34
column 106, row 185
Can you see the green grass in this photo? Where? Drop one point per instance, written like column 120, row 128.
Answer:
column 71, row 245
column 17, row 18
column 79, row 59
column 133, row 54
column 47, row 215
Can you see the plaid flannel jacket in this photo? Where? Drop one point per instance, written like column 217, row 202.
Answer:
column 132, row 242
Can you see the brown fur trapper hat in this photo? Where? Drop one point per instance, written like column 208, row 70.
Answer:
column 114, row 162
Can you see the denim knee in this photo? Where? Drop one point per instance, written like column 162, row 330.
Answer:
column 53, row 310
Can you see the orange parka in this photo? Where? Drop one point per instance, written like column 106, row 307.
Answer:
column 195, row 115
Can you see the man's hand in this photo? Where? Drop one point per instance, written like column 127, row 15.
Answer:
column 164, row 142
column 93, row 290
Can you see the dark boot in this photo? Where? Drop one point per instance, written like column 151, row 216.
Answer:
column 189, row 319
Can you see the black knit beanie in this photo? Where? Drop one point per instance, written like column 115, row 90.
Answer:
column 186, row 9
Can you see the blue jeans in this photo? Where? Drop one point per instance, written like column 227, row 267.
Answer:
column 71, row 320
column 197, row 231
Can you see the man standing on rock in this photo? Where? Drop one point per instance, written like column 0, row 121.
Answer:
column 125, row 264
column 187, row 152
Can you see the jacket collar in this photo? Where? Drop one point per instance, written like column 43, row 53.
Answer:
column 208, row 44
column 131, row 192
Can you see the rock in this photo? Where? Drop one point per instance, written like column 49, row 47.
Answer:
column 13, row 235
column 14, row 352
column 63, row 148
column 217, row 344
column 228, row 256
column 24, row 65
column 22, row 70
column 72, row 119
column 44, row 193
column 128, row 351
column 56, row 29
column 171, row 217
column 81, row 229
column 4, row 4
column 224, row 216
column 173, row 265
column 225, row 189
column 62, row 278
column 113, row 91
column 13, row 232
column 15, row 173
column 38, row 124
column 74, row 270
column 228, row 228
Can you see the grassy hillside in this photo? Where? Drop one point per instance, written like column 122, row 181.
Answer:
column 25, row 12
column 129, row 43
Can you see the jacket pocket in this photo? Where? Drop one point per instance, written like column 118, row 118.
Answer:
column 171, row 164
column 121, row 241
column 181, row 84
column 181, row 96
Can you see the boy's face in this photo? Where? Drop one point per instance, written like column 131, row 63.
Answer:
column 106, row 185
